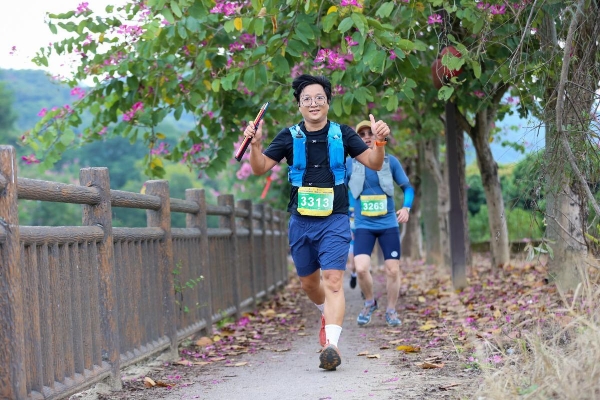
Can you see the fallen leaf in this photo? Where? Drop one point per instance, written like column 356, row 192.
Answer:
column 281, row 350
column 384, row 347
column 373, row 356
column 421, row 299
column 218, row 359
column 428, row 365
column 363, row 353
column 163, row 384
column 408, row 348
column 446, row 387
column 427, row 327
column 204, row 341
column 149, row 382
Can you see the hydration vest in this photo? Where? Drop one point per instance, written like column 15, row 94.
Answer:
column 357, row 180
column 335, row 147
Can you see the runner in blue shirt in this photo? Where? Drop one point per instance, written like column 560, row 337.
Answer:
column 376, row 218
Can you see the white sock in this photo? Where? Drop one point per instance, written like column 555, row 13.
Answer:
column 353, row 274
column 321, row 307
column 333, row 332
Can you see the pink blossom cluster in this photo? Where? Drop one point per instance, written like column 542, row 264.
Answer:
column 236, row 46
column 196, row 148
column 494, row 9
column 479, row 94
column 434, row 19
column 331, row 59
column 399, row 115
column 248, row 39
column 297, row 70
column 347, row 3
column 338, row 90
column 160, row 149
column 30, row 159
column 82, row 8
column 102, row 131
column 244, row 172
column 13, row 50
column 512, row 100
column 79, row 92
column 224, row 7
column 131, row 30
column 129, row 115
column 350, row 42
column 63, row 111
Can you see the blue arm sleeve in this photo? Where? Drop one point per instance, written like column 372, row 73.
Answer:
column 402, row 180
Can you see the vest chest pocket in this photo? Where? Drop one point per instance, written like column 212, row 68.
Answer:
column 314, row 201
column 373, row 206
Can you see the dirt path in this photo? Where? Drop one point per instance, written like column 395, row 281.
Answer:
column 372, row 365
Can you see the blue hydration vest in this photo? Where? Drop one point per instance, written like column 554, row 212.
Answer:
column 335, row 147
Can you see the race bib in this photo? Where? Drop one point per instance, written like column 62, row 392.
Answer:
column 373, row 206
column 315, row 201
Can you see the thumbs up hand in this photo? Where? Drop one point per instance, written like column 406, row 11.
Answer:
column 379, row 128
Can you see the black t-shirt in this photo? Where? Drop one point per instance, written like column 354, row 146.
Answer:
column 318, row 172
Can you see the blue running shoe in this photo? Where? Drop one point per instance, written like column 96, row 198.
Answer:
column 392, row 319
column 365, row 315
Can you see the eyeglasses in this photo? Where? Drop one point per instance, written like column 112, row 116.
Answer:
column 365, row 133
column 308, row 101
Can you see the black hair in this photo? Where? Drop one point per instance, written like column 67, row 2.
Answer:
column 304, row 80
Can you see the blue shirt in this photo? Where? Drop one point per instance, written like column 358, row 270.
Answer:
column 371, row 187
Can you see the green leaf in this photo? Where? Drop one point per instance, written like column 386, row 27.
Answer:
column 346, row 24
column 176, row 9
column 445, row 93
column 347, row 102
column 476, row 68
column 229, row 27
column 67, row 137
column 360, row 22
column 216, row 85
column 261, row 75
column 306, row 30
column 478, row 25
column 329, row 21
column 406, row 45
column 337, row 106
column 168, row 15
column 392, row 103
column 52, row 28
column 385, row 10
column 181, row 31
column 259, row 26
column 249, row 79
column 281, row 66
column 377, row 64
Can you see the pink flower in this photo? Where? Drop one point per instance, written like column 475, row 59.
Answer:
column 393, row 55
column 160, row 149
column 13, row 50
column 497, row 9
column 102, row 131
column 30, row 159
column 82, row 8
column 42, row 112
column 244, row 172
column 434, row 19
column 350, row 42
column 479, row 93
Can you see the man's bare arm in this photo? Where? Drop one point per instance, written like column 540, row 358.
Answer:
column 372, row 158
column 260, row 163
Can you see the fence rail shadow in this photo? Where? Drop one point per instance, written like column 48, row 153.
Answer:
column 78, row 303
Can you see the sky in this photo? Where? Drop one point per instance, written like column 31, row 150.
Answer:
column 23, row 26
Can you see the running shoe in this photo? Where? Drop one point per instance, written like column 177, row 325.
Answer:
column 391, row 318
column 365, row 315
column 330, row 357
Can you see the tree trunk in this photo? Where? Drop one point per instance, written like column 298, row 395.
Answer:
column 412, row 243
column 567, row 113
column 462, row 176
column 499, row 244
column 429, row 210
column 443, row 197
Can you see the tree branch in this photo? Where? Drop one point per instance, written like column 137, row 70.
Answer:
column 560, row 102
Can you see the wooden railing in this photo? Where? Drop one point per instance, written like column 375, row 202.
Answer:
column 78, row 303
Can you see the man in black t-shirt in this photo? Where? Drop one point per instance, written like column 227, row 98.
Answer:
column 319, row 228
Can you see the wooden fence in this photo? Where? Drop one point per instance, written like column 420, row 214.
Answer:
column 79, row 303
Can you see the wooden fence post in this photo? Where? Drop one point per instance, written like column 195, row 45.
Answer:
column 228, row 222
column 13, row 380
column 199, row 221
column 101, row 215
column 262, row 259
column 162, row 219
column 248, row 223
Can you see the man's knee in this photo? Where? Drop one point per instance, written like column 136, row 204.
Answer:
column 333, row 279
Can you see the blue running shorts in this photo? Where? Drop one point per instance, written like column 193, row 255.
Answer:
column 319, row 242
column 389, row 241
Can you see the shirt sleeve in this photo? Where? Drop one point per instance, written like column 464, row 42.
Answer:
column 402, row 180
column 353, row 144
column 281, row 147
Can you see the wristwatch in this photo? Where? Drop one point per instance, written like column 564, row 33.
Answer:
column 407, row 209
